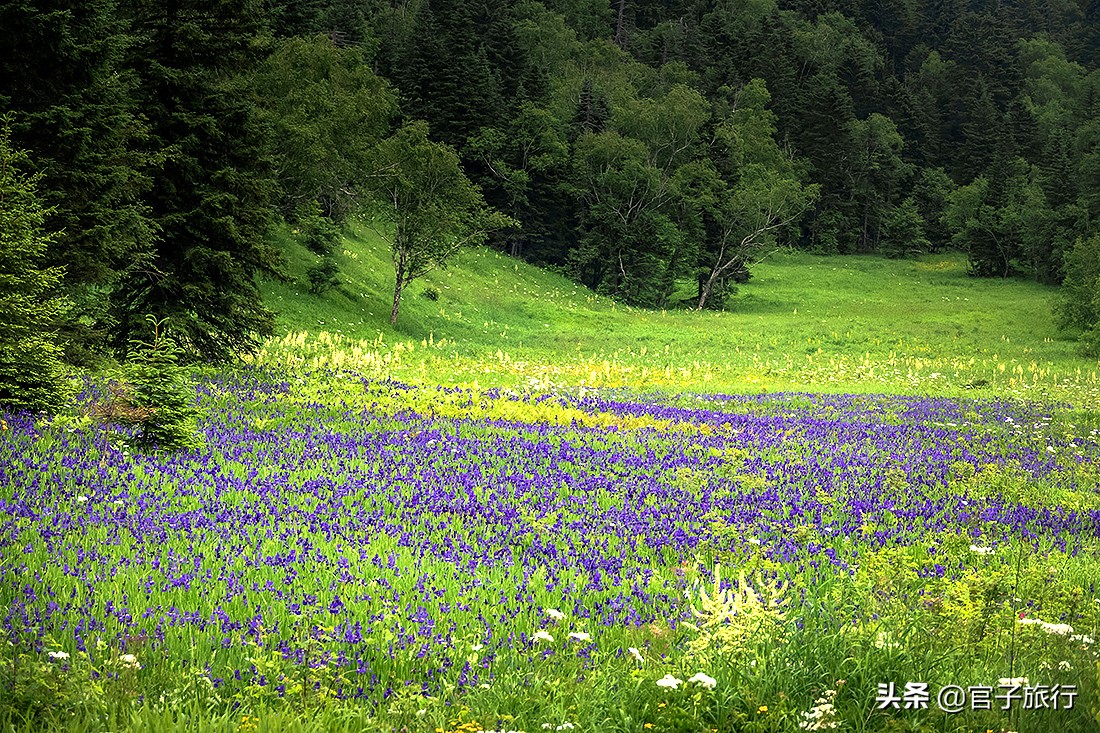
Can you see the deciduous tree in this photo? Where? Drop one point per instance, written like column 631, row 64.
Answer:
column 427, row 207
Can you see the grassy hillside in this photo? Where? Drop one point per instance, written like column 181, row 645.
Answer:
column 803, row 321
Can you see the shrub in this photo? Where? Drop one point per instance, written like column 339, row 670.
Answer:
column 322, row 276
column 157, row 393
column 1079, row 306
column 319, row 233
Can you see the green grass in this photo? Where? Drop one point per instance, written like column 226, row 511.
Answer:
column 826, row 323
column 808, row 323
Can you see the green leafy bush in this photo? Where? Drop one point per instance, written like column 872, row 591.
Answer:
column 322, row 276
column 1080, row 303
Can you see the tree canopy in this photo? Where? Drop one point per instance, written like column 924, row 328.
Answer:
column 635, row 146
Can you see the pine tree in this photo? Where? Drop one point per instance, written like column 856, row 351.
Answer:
column 212, row 198
column 31, row 373
column 64, row 74
column 159, row 393
column 460, row 68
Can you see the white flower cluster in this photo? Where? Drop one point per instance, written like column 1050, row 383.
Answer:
column 883, row 641
column 557, row 617
column 1013, row 681
column 699, row 678
column 58, row 656
column 563, row 726
column 1060, row 629
column 705, row 680
column 128, row 661
column 822, row 716
column 981, row 550
column 637, row 655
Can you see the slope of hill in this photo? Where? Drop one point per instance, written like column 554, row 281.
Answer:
column 802, row 322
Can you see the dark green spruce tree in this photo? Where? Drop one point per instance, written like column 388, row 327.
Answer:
column 65, row 76
column 212, row 196
column 31, row 374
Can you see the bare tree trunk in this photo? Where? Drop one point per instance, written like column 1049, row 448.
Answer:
column 620, row 26
column 396, row 301
column 704, row 292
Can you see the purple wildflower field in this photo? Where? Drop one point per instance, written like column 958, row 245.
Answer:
column 384, row 537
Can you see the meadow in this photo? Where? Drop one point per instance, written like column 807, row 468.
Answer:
column 530, row 509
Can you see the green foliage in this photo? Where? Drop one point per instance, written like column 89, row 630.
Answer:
column 433, row 208
column 67, row 76
column 875, row 177
column 326, row 110
column 903, row 231
column 160, row 394
column 323, row 275
column 212, row 199
column 458, row 66
column 754, row 193
column 931, row 194
column 319, row 233
column 627, row 240
column 31, row 374
column 1079, row 306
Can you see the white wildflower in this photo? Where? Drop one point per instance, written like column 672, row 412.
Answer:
column 541, row 635
column 1082, row 638
column 822, row 716
column 1059, row 629
column 637, row 655
column 554, row 613
column 580, row 635
column 58, row 656
column 705, row 680
column 669, row 682
column 981, row 550
column 128, row 661
column 476, row 647
column 882, row 641
column 1065, row 666
column 1013, row 681
column 81, row 499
